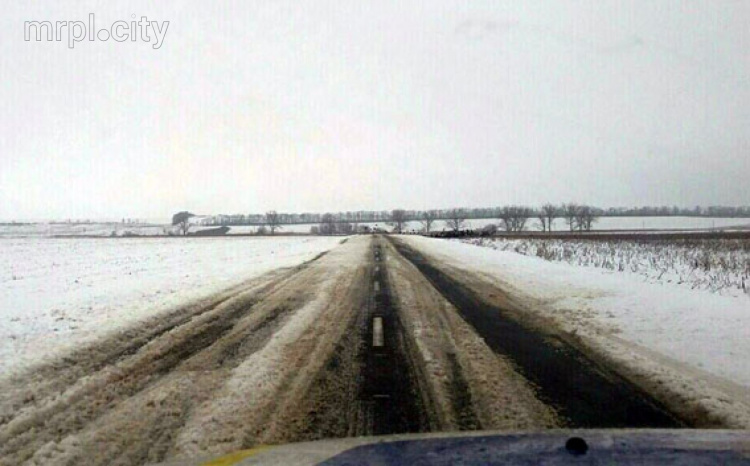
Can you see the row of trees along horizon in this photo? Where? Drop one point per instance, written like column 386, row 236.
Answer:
column 577, row 217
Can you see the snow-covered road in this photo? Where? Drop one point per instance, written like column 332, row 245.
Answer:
column 693, row 340
column 470, row 338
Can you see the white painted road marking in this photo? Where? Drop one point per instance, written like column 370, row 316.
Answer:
column 377, row 332
column 377, row 285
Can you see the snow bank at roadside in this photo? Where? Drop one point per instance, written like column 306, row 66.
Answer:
column 58, row 293
column 705, row 331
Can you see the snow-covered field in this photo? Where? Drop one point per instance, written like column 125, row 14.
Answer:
column 57, row 293
column 717, row 265
column 699, row 329
column 42, row 229
column 249, row 229
column 105, row 229
column 663, row 223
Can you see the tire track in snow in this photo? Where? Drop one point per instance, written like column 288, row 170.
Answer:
column 583, row 393
column 126, row 397
column 471, row 387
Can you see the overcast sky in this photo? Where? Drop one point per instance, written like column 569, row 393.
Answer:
column 320, row 105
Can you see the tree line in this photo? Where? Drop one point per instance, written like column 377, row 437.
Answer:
column 511, row 219
column 575, row 217
column 383, row 216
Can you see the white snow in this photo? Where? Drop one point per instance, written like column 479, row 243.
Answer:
column 58, row 293
column 662, row 223
column 702, row 330
column 45, row 229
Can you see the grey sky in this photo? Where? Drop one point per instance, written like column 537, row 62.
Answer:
column 323, row 105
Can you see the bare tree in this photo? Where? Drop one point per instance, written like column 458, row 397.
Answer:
column 585, row 218
column 514, row 218
column 456, row 219
column 327, row 224
column 398, row 218
column 505, row 215
column 182, row 220
column 550, row 213
column 428, row 218
column 542, row 220
column 522, row 216
column 591, row 218
column 580, row 214
column 273, row 221
column 570, row 213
